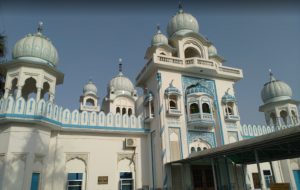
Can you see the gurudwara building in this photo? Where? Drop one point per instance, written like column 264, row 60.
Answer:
column 158, row 139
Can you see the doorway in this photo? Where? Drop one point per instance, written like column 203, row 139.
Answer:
column 203, row 178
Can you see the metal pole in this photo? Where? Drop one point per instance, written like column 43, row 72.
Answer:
column 214, row 173
column 258, row 168
column 244, row 177
column 236, row 176
column 273, row 174
column 228, row 174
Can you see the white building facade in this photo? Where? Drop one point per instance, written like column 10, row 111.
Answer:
column 188, row 105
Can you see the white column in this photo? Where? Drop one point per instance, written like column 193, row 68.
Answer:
column 38, row 94
column 51, row 98
column 6, row 93
column 19, row 92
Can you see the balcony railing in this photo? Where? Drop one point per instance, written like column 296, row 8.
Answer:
column 200, row 120
column 173, row 112
column 232, row 118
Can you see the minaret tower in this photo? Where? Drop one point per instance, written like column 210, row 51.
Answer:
column 32, row 72
column 279, row 107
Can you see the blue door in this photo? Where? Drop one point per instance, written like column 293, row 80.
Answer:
column 297, row 178
column 35, row 180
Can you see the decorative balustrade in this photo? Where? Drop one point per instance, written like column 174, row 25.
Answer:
column 229, row 70
column 21, row 109
column 170, row 59
column 249, row 131
column 200, row 120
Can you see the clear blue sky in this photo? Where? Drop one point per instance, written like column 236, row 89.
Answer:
column 91, row 37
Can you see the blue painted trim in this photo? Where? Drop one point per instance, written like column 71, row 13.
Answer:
column 42, row 118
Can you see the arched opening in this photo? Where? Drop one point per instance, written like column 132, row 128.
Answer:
column 129, row 111
column 76, row 174
column 29, row 89
column 13, row 90
column 294, row 117
column 198, row 149
column 162, row 53
column 123, row 111
column 172, row 104
column 45, row 91
column 118, row 110
column 90, row 102
column 191, row 52
column 229, row 110
column 194, row 108
column 205, row 108
column 193, row 149
column 273, row 118
column 283, row 117
column 204, row 148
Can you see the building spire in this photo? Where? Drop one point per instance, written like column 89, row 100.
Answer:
column 40, row 27
column 272, row 78
column 180, row 8
column 158, row 29
column 120, row 66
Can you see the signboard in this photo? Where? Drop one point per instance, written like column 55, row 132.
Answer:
column 102, row 179
column 280, row 186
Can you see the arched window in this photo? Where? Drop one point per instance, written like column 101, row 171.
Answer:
column 205, row 108
column 90, row 102
column 118, row 110
column 228, row 110
column 283, row 117
column 152, row 108
column 45, row 91
column 198, row 149
column 29, row 89
column 204, row 148
column 191, row 52
column 193, row 149
column 129, row 111
column 123, row 111
column 172, row 104
column 162, row 53
column 194, row 108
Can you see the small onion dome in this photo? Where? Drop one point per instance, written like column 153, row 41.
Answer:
column 90, row 88
column 36, row 47
column 212, row 50
column 275, row 90
column 149, row 97
column 159, row 38
column 198, row 88
column 182, row 22
column 171, row 90
column 227, row 98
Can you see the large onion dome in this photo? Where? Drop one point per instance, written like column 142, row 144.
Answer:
column 183, row 22
column 159, row 38
column 37, row 48
column 275, row 90
column 90, row 88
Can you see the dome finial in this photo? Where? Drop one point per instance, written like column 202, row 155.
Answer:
column 40, row 27
column 158, row 29
column 180, row 8
column 120, row 66
column 272, row 78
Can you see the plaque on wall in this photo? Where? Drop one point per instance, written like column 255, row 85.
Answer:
column 102, row 179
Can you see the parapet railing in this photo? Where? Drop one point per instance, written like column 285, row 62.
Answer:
column 31, row 109
column 250, row 131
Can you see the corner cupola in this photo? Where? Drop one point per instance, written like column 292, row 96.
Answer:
column 89, row 99
column 159, row 38
column 275, row 90
column 36, row 48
